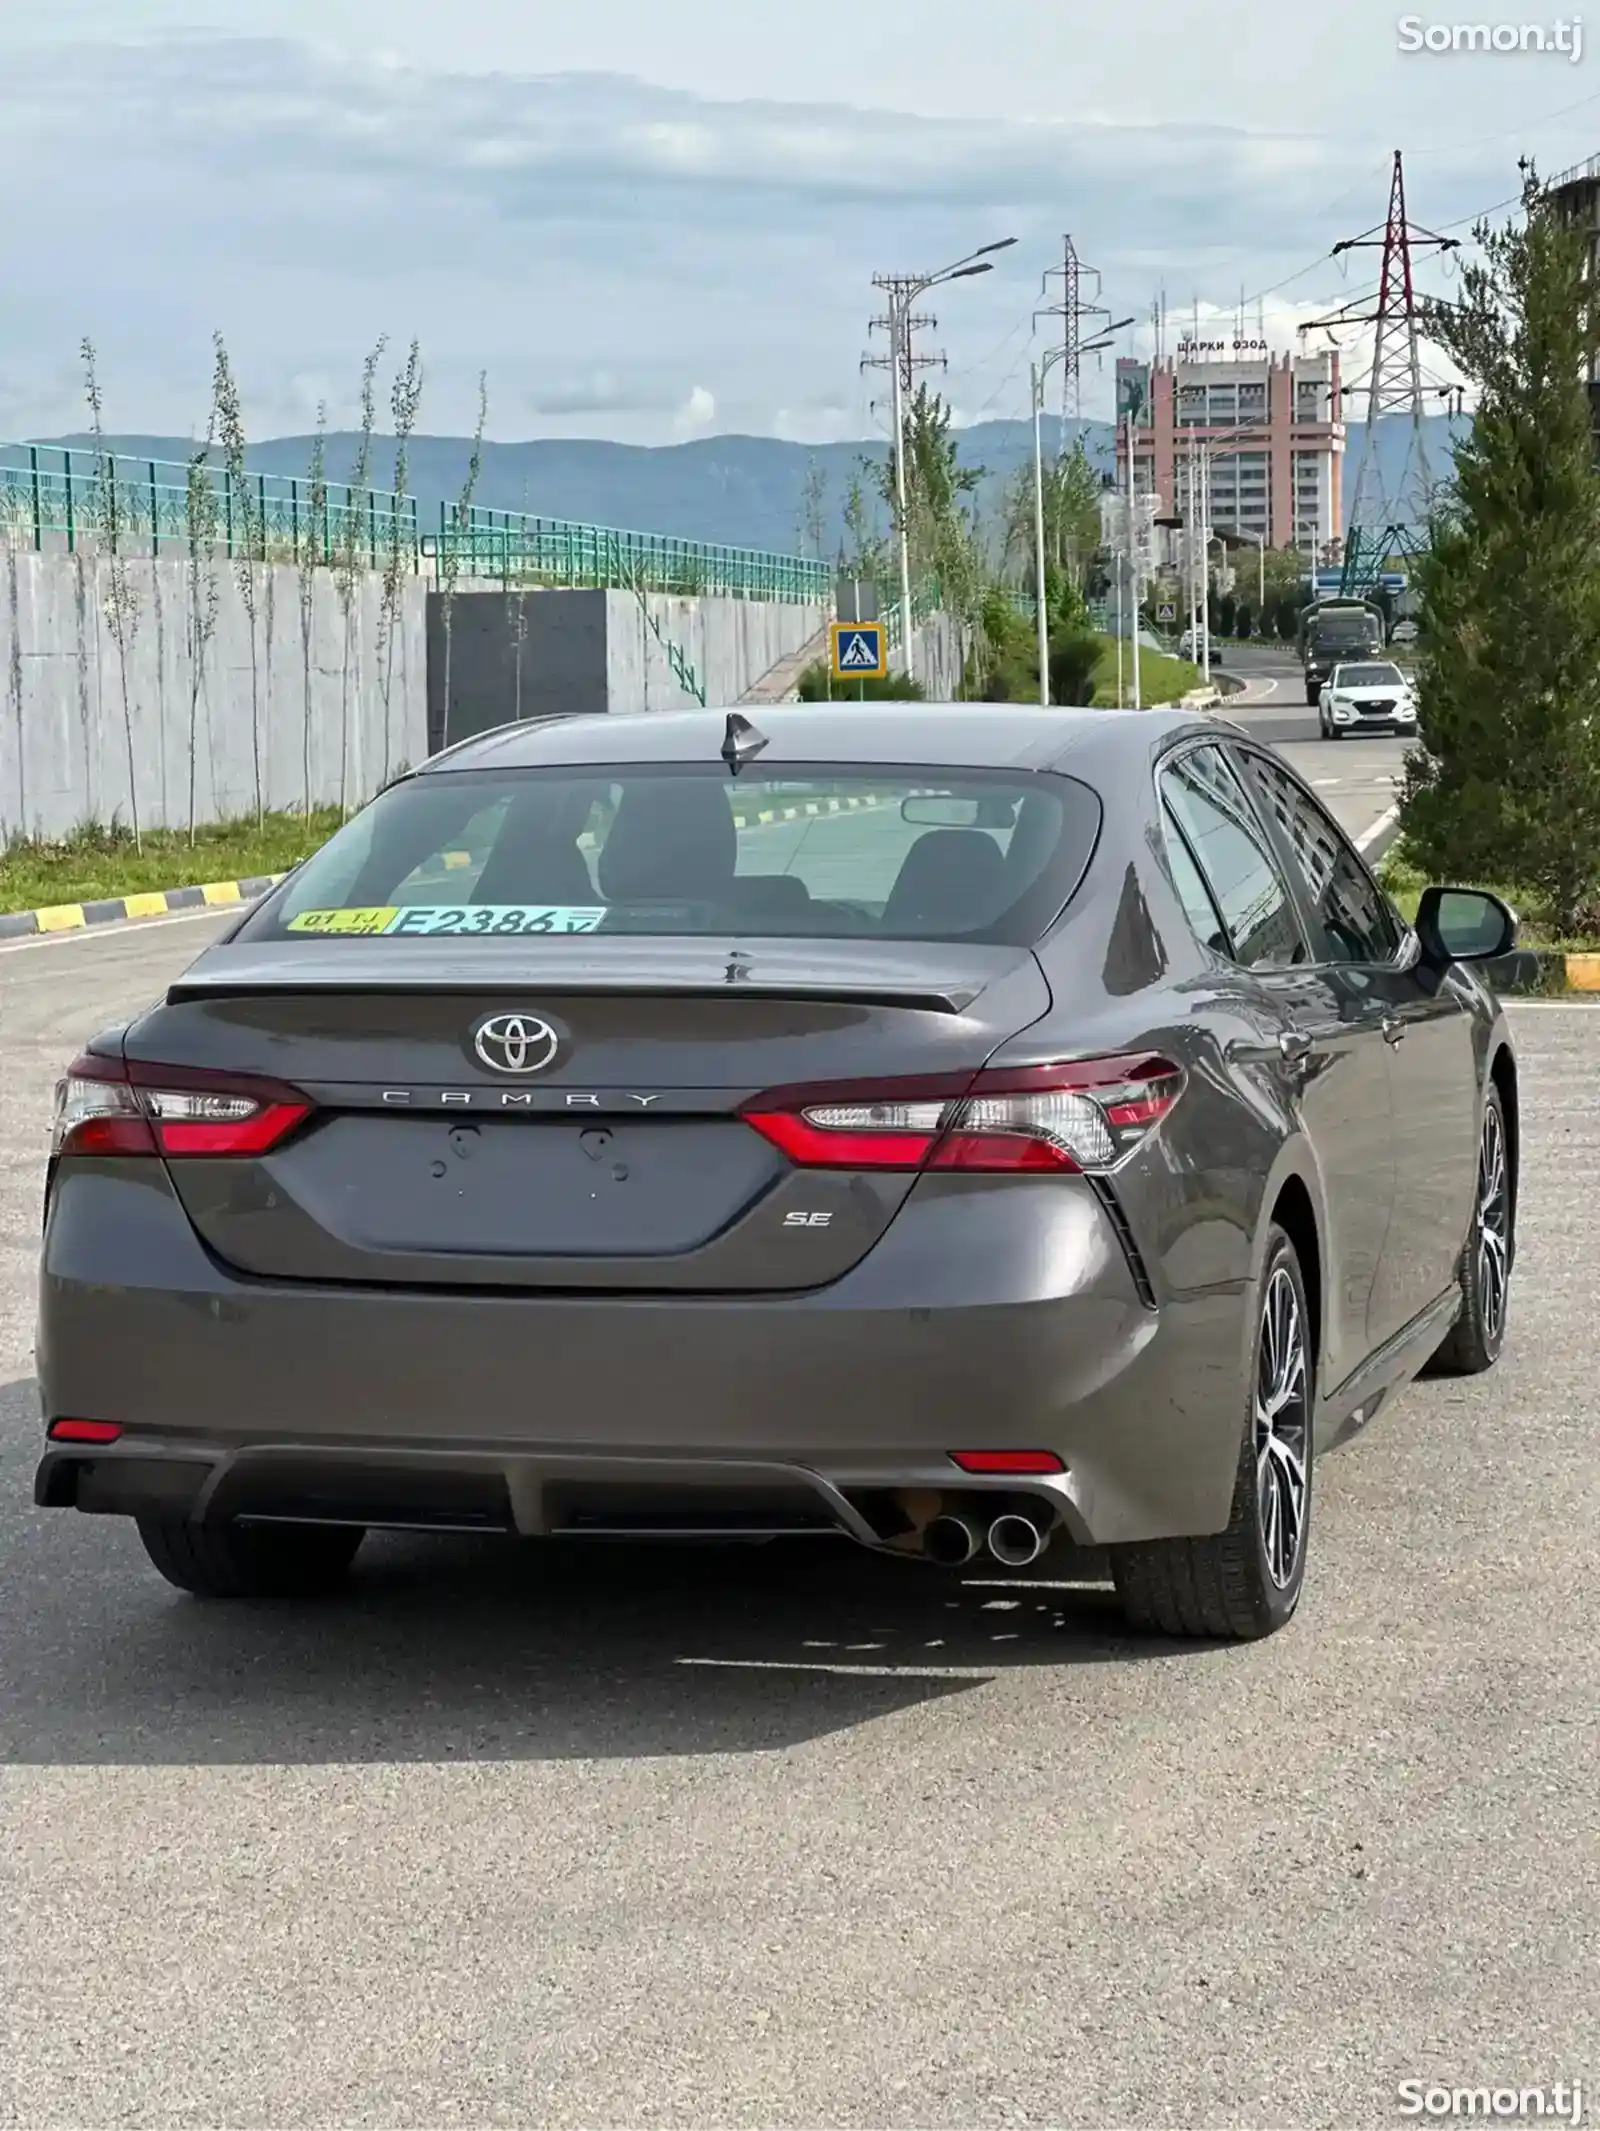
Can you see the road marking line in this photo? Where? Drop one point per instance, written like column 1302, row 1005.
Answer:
column 870, row 1672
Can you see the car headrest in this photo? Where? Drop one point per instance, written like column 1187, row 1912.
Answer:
column 950, row 877
column 672, row 840
column 535, row 871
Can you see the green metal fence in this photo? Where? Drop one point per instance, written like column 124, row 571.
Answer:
column 513, row 547
column 53, row 494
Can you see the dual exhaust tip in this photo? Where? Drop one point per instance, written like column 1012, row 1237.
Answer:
column 1013, row 1540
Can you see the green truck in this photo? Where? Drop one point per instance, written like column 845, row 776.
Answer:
column 1335, row 629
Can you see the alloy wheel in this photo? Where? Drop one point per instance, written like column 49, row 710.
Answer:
column 1282, row 1428
column 1494, row 1226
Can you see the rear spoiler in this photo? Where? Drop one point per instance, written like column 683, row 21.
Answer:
column 919, row 998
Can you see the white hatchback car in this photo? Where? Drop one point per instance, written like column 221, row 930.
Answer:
column 1370, row 696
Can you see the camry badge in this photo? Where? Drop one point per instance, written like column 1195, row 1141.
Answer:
column 515, row 1043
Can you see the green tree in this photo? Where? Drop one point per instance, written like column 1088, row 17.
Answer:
column 1004, row 664
column 864, row 553
column 1506, row 783
column 944, row 537
column 1287, row 574
column 1070, row 495
column 813, row 518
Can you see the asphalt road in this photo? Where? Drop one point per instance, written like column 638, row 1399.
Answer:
column 1356, row 779
column 797, row 1839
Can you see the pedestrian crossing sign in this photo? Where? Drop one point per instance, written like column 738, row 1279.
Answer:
column 860, row 651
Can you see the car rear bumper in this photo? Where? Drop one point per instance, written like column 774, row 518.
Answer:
column 996, row 1314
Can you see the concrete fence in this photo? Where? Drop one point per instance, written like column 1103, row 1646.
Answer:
column 93, row 729
column 109, row 714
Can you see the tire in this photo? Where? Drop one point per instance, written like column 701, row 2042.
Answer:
column 250, row 1560
column 1487, row 1257
column 1245, row 1582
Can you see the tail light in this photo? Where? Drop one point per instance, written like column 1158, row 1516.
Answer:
column 1004, row 1461
column 1082, row 1116
column 106, row 1106
column 85, row 1431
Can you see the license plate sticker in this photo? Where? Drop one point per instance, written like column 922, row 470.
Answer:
column 472, row 920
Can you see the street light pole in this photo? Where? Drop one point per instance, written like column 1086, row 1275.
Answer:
column 1191, row 528
column 1205, row 565
column 1133, row 575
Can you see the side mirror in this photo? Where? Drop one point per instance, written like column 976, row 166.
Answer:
column 1464, row 925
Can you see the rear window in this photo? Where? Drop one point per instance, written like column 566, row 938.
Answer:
column 689, row 850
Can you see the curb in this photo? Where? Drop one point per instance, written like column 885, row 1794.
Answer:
column 116, row 910
column 745, row 818
column 1544, row 970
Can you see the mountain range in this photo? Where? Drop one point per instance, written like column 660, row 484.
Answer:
column 743, row 491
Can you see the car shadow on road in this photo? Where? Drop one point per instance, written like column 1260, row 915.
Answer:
column 490, row 1650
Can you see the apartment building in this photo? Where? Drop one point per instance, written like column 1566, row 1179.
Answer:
column 1267, row 427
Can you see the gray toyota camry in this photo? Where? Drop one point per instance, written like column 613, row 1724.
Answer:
column 961, row 1129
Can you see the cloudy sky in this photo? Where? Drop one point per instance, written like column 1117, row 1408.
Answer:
column 651, row 222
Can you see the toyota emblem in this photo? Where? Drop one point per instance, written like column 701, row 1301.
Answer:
column 515, row 1043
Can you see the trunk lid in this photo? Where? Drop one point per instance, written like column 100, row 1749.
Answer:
column 619, row 1164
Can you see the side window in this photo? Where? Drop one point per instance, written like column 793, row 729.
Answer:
column 1193, row 893
column 1356, row 921
column 1232, row 853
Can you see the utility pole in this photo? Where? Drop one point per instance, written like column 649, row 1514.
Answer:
column 1074, row 315
column 902, row 363
column 1388, row 512
column 1041, row 619
column 902, row 291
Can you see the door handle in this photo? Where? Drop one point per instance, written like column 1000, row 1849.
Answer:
column 1394, row 1030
